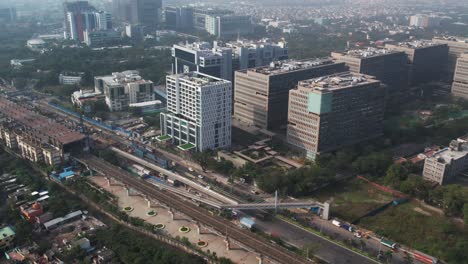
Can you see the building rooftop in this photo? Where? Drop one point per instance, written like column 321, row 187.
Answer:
column 6, row 232
column 198, row 78
column 285, row 66
column 119, row 78
column 254, row 44
column 452, row 39
column 416, row 44
column 142, row 104
column 367, row 53
column 446, row 155
column 42, row 127
column 336, row 81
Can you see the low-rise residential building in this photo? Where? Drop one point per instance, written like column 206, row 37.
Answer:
column 7, row 235
column 261, row 94
column 446, row 164
column 198, row 111
column 124, row 88
column 70, row 78
column 460, row 79
column 334, row 111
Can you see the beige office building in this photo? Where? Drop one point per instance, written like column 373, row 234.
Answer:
column 460, row 79
column 426, row 60
column 447, row 163
column 388, row 66
column 457, row 46
column 330, row 112
column 261, row 94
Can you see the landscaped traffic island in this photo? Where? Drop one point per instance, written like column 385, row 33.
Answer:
column 202, row 244
column 184, row 229
column 151, row 213
column 159, row 226
column 128, row 209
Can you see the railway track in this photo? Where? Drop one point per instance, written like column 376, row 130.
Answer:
column 250, row 240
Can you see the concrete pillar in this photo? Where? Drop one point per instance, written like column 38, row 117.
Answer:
column 326, row 211
column 128, row 190
column 108, row 181
column 149, row 202
column 260, row 259
column 228, row 245
column 172, row 214
column 198, row 228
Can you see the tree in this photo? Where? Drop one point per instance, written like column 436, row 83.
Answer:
column 395, row 174
column 202, row 158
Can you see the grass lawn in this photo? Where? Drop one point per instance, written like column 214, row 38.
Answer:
column 352, row 199
column 421, row 229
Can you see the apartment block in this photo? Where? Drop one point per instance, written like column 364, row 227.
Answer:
column 198, row 111
column 447, row 163
column 460, row 79
column 388, row 66
column 426, row 60
column 334, row 111
column 36, row 137
column 124, row 88
column 261, row 94
column 457, row 46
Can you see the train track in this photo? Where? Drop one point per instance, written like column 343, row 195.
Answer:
column 250, row 240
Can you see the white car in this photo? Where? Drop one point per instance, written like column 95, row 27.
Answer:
column 190, row 169
column 200, row 177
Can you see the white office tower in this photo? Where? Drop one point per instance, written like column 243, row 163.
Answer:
column 198, row 111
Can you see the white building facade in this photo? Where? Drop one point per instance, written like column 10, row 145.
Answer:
column 124, row 88
column 198, row 111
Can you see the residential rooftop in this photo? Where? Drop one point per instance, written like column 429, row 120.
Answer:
column 43, row 127
column 336, row 81
column 6, row 232
column 285, row 66
column 198, row 78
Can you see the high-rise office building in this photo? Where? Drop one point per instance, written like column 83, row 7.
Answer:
column 202, row 57
column 221, row 59
column 425, row 21
column 228, row 25
column 179, row 17
column 81, row 17
column 198, row 111
column 147, row 13
column 124, row 88
column 334, row 111
column 390, row 67
column 200, row 15
column 250, row 54
column 457, row 46
column 460, row 79
column 426, row 60
column 8, row 15
column 261, row 94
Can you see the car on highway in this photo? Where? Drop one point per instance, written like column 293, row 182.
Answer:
column 200, row 177
column 190, row 169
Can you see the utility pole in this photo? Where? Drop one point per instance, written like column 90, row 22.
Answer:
column 276, row 201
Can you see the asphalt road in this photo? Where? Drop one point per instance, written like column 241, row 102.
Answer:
column 322, row 248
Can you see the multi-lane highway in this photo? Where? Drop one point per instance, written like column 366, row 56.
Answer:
column 247, row 238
